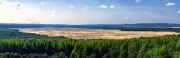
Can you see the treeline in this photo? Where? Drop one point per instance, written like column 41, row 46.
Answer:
column 14, row 44
column 151, row 29
column 151, row 47
column 14, row 33
column 125, row 27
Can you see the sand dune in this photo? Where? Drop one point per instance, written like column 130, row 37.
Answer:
column 82, row 33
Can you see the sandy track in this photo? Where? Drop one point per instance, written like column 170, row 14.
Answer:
column 81, row 33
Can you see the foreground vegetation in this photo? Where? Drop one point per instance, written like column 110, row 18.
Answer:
column 51, row 47
column 163, row 47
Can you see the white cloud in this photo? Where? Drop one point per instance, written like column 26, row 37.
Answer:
column 11, row 4
column 30, row 14
column 71, row 6
column 103, row 6
column 106, row 6
column 54, row 12
column 137, row 1
column 178, row 11
column 126, row 17
column 42, row 3
column 170, row 4
column 112, row 6
column 10, row 12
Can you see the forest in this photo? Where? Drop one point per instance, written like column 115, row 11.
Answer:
column 14, row 44
column 123, row 27
column 6, row 33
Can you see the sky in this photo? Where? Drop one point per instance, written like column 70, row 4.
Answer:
column 89, row 11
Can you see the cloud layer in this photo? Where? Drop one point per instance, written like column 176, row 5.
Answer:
column 86, row 12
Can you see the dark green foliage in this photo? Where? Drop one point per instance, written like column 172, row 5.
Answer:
column 13, row 33
column 150, row 29
column 125, row 27
column 25, row 45
column 152, row 47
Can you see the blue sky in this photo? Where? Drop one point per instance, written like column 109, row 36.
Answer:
column 89, row 11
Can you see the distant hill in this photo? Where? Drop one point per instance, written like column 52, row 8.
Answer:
column 102, row 26
column 151, row 25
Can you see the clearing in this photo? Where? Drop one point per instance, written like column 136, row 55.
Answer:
column 83, row 33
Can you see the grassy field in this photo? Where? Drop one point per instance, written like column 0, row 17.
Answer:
column 82, row 33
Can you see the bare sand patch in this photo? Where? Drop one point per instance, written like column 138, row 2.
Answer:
column 82, row 33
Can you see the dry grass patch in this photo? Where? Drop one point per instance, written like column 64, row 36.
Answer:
column 82, row 33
